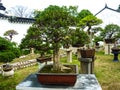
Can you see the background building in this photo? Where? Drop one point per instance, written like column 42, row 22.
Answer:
column 19, row 24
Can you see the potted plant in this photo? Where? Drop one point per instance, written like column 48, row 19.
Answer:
column 110, row 33
column 52, row 27
column 7, row 70
column 45, row 53
column 110, row 40
column 68, row 76
column 89, row 21
column 7, row 67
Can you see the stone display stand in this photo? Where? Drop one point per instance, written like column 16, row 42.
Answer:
column 84, row 82
column 69, row 55
column 78, row 53
column 108, row 48
column 32, row 50
column 87, row 65
column 8, row 73
column 115, row 59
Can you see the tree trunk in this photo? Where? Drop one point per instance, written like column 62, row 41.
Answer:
column 90, row 35
column 56, row 59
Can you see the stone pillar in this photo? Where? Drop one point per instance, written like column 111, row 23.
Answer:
column 108, row 48
column 69, row 55
column 32, row 50
column 8, row 73
column 78, row 53
column 87, row 65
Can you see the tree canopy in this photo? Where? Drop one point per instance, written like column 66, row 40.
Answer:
column 10, row 33
column 51, row 30
column 8, row 50
column 110, row 31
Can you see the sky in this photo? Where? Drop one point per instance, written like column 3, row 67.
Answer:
column 94, row 6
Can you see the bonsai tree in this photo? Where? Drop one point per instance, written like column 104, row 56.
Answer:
column 88, row 22
column 82, row 14
column 51, row 28
column 110, row 31
column 10, row 33
column 96, row 35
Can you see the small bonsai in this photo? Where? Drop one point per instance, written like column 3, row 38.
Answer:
column 7, row 67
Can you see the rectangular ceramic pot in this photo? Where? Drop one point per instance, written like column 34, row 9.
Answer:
column 43, row 59
column 58, row 78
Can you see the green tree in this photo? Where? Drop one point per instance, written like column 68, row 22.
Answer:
column 52, row 26
column 10, row 33
column 110, row 31
column 8, row 50
column 89, row 21
column 79, row 37
column 83, row 13
column 34, row 39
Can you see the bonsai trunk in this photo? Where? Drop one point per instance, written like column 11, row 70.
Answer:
column 56, row 60
column 89, row 34
column 57, row 66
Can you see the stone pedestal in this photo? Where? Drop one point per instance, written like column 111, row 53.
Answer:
column 84, row 82
column 8, row 73
column 87, row 65
column 32, row 50
column 78, row 53
column 69, row 55
column 116, row 56
column 108, row 48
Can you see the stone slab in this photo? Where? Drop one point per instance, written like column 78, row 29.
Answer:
column 84, row 82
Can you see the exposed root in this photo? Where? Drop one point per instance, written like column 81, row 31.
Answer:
column 64, row 68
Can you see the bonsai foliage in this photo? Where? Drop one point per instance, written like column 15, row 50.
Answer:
column 82, row 14
column 96, row 34
column 35, row 39
column 50, row 30
column 10, row 33
column 55, row 21
column 89, row 21
column 79, row 37
column 110, row 31
column 8, row 50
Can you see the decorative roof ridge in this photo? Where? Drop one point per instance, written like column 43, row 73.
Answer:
column 14, row 19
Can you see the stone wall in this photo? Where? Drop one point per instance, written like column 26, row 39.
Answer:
column 22, row 64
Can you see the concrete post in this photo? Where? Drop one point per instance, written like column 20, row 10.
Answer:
column 69, row 55
column 87, row 65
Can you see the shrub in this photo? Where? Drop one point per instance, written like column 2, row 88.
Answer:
column 7, row 56
column 8, row 50
column 17, row 52
column 25, row 51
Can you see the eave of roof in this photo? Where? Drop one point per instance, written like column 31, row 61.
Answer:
column 14, row 19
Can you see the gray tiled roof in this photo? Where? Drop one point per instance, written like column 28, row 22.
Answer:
column 14, row 19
